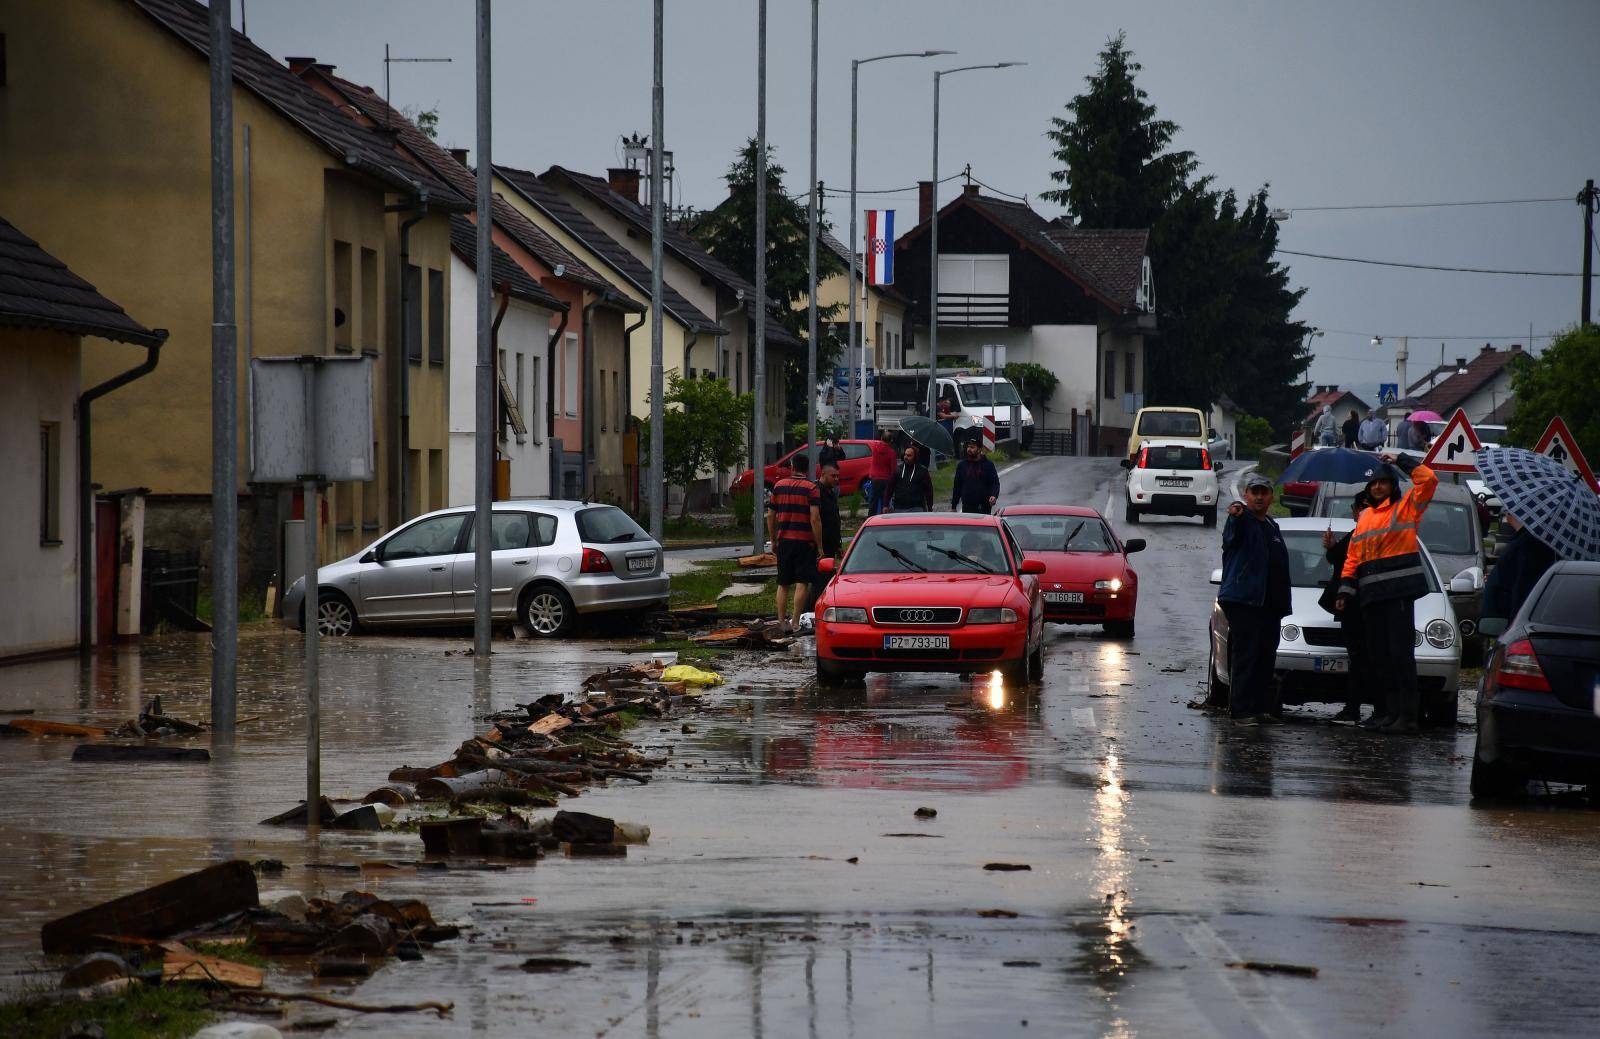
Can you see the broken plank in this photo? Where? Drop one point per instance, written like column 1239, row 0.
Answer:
column 550, row 723
column 196, row 967
column 40, row 727
column 157, row 912
column 135, row 752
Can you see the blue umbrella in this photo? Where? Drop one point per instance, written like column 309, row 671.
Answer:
column 1336, row 464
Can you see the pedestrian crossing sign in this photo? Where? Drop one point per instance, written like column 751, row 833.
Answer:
column 1557, row 443
column 1456, row 449
column 1388, row 392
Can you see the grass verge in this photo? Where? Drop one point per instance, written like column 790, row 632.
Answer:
column 142, row 1012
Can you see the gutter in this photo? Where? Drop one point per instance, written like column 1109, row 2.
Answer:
column 627, row 389
column 86, row 485
column 550, row 395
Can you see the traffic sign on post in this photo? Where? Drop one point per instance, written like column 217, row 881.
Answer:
column 1388, row 393
column 988, row 433
column 1456, row 449
column 1558, row 443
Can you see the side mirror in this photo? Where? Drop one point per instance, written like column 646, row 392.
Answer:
column 1216, row 467
column 826, row 566
column 1034, row 566
column 1133, row 545
column 1462, row 584
column 1216, row 576
column 1126, row 463
column 369, row 556
column 1493, row 627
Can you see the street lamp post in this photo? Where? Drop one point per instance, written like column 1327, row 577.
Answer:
column 758, row 366
column 854, row 339
column 933, row 238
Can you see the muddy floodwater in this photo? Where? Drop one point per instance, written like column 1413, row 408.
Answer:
column 789, row 887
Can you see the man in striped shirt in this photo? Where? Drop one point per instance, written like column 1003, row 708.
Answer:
column 794, row 515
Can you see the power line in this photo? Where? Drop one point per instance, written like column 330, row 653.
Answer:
column 1430, row 267
column 1423, row 205
column 1398, row 335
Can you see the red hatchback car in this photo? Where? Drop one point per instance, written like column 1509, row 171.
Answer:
column 1087, row 579
column 931, row 592
column 857, row 462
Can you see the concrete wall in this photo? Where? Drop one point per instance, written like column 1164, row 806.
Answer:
column 38, row 581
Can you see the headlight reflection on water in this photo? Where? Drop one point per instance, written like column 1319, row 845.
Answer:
column 997, row 692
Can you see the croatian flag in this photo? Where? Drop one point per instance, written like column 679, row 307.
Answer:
column 880, row 247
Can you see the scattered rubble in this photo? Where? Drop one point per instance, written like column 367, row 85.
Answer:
column 758, row 634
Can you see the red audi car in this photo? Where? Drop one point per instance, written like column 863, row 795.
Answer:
column 1087, row 579
column 931, row 592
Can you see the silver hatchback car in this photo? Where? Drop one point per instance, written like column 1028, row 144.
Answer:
column 552, row 562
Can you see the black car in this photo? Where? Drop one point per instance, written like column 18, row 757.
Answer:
column 1537, row 698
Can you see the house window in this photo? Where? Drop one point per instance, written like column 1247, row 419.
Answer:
column 1111, row 374
column 435, row 316
column 344, row 316
column 724, row 372
column 605, row 409
column 369, row 301
column 413, row 315
column 49, row 483
column 517, row 388
column 616, row 399
column 738, row 363
column 974, row 289
column 569, row 376
column 1127, row 373
column 529, row 414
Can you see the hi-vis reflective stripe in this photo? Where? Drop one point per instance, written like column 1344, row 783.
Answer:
column 1379, row 532
column 1390, row 575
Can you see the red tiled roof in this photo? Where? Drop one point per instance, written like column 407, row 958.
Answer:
column 39, row 291
column 1114, row 256
column 1449, row 395
column 505, row 270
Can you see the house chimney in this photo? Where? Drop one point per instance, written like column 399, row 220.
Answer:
column 624, row 182
column 1461, row 362
column 1516, row 348
column 459, row 154
column 969, row 189
column 924, row 200
column 300, row 64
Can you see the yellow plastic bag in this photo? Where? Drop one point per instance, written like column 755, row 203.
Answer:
column 690, row 675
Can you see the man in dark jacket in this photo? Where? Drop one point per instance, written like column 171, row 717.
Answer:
column 1254, row 598
column 828, row 512
column 1523, row 561
column 977, row 483
column 830, row 453
column 1351, row 427
column 1356, row 683
column 910, row 487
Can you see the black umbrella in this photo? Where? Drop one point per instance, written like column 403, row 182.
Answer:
column 929, row 434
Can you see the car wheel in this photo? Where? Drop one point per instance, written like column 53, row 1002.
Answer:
column 1209, row 517
column 335, row 615
column 1439, row 709
column 1217, row 693
column 1036, row 665
column 1119, row 629
column 830, row 675
column 1492, row 779
column 1014, row 673
column 1130, row 513
column 547, row 610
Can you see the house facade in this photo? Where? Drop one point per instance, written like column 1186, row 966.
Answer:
column 1480, row 385
column 882, row 317
column 1078, row 302
column 104, row 144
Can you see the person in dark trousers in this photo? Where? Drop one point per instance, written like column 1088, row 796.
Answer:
column 910, row 487
column 977, row 483
column 1351, row 427
column 1522, row 562
column 828, row 512
column 1255, row 598
column 1357, row 684
column 794, row 515
column 879, row 469
column 1383, row 575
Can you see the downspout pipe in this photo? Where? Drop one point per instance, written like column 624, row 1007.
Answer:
column 494, row 352
column 420, row 206
column 550, row 396
column 688, row 354
column 627, row 389
column 587, row 394
column 86, row 486
column 722, row 316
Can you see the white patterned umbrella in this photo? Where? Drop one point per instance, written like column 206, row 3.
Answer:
column 1555, row 505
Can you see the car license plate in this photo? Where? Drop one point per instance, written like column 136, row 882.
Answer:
column 916, row 642
column 1063, row 597
column 641, row 564
column 1330, row 665
column 1172, row 481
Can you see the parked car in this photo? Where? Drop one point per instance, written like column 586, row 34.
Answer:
column 1312, row 660
column 1087, row 579
column 1171, row 478
column 1450, row 528
column 1167, row 424
column 553, row 562
column 1220, row 447
column 857, row 462
column 968, row 395
column 948, row 592
column 1536, row 700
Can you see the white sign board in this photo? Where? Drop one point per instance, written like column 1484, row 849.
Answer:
column 341, row 419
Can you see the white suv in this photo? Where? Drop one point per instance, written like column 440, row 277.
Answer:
column 1172, row 478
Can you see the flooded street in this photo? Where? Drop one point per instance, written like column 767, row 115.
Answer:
column 789, row 887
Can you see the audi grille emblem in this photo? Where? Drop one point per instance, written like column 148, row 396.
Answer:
column 916, row 616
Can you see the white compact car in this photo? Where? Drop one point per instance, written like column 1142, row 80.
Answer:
column 1172, row 478
column 1312, row 660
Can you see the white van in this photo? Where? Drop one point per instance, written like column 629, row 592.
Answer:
column 973, row 398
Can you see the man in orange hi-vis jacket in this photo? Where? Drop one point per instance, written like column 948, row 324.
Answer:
column 1383, row 575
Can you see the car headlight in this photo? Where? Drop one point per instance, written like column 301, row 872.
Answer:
column 992, row 615
column 1113, row 585
column 1291, row 632
column 1418, row 640
column 844, row 615
column 1440, row 634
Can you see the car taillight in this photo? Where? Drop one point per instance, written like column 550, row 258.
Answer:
column 1519, row 669
column 1144, row 458
column 1205, row 459
column 595, row 562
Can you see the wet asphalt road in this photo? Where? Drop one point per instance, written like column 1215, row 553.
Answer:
column 1163, row 844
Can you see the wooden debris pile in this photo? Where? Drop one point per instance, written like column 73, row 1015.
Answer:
column 763, row 635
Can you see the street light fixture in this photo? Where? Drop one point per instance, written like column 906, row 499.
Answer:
column 933, row 237
column 854, row 339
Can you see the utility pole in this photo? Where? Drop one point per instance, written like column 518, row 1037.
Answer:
column 483, row 535
column 758, row 483
column 224, row 388
column 658, row 389
column 1587, row 201
column 811, row 245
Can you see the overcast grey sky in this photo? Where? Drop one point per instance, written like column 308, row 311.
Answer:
column 1359, row 101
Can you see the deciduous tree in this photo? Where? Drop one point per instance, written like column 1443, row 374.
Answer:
column 1563, row 380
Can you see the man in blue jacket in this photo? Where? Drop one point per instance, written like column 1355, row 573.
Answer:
column 1255, row 599
column 977, row 483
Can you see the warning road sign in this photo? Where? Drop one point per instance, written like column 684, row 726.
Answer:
column 1557, row 443
column 1456, row 449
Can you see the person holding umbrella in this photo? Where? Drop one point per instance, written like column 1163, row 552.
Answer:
column 1521, row 564
column 910, row 487
column 1556, row 514
column 1357, row 680
column 1383, row 575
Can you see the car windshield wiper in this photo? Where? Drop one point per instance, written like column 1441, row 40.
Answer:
column 958, row 557
column 902, row 560
column 1074, row 534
